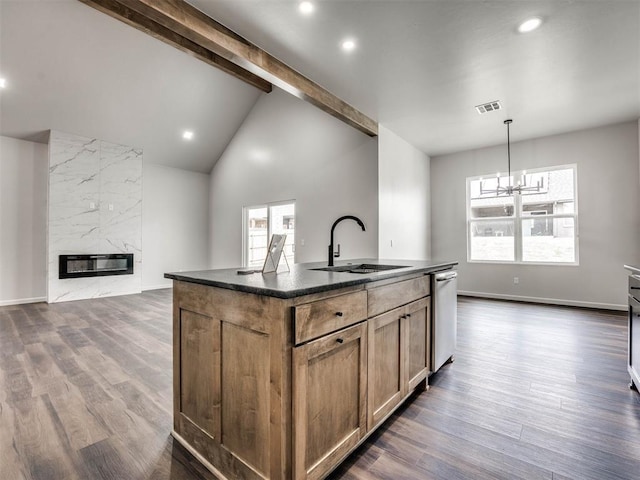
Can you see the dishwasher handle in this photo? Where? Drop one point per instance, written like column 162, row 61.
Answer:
column 446, row 276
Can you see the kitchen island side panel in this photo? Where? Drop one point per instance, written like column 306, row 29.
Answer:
column 244, row 428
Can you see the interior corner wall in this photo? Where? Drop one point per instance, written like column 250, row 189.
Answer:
column 608, row 166
column 23, row 212
column 404, row 230
column 175, row 223
column 287, row 149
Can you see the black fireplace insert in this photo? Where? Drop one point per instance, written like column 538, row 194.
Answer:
column 77, row 266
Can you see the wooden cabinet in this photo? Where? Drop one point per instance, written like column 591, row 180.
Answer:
column 329, row 400
column 388, row 295
column 223, row 367
column 386, row 372
column 285, row 388
column 318, row 318
column 199, row 401
column 418, row 341
column 398, row 357
column 389, row 352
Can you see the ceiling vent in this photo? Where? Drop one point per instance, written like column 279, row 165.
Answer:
column 489, row 107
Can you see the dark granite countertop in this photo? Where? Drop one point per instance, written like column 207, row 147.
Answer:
column 303, row 281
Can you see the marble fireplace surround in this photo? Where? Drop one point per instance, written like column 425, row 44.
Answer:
column 94, row 206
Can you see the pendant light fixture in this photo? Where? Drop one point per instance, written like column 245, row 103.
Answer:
column 522, row 183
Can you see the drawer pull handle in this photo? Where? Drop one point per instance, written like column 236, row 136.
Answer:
column 338, row 314
column 339, row 340
column 408, row 315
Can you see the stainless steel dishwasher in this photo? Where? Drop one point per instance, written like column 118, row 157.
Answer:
column 444, row 293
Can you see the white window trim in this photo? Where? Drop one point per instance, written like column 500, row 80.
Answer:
column 245, row 222
column 517, row 218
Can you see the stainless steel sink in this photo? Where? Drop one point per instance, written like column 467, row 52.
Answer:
column 361, row 268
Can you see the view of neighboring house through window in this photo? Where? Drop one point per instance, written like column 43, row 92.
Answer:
column 528, row 227
column 262, row 221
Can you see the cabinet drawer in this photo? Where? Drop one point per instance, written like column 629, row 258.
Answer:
column 388, row 297
column 315, row 319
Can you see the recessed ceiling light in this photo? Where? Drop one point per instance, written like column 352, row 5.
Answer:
column 3, row 82
column 306, row 7
column 529, row 25
column 187, row 134
column 348, row 45
column 260, row 156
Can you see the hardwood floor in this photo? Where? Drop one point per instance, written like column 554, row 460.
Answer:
column 534, row 392
column 86, row 391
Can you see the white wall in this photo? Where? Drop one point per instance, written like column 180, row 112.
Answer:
column 289, row 150
column 23, row 203
column 175, row 223
column 404, row 229
column 608, row 220
column 175, row 219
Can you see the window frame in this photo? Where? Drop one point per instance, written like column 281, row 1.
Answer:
column 245, row 225
column 518, row 219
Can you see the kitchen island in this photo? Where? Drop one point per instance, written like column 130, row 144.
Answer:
column 282, row 376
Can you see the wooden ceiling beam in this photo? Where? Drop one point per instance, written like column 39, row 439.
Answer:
column 172, row 20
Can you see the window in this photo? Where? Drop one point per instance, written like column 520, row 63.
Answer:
column 259, row 223
column 530, row 227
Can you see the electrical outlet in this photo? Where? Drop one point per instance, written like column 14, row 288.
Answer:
column 516, row 280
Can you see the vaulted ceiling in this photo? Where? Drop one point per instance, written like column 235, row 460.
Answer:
column 418, row 68
column 72, row 68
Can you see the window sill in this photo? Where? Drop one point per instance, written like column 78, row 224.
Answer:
column 543, row 264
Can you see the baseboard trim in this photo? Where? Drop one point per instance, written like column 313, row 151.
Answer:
column 20, row 301
column 198, row 455
column 549, row 301
column 157, row 287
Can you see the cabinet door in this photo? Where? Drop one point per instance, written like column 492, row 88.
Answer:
column 329, row 413
column 418, row 331
column 398, row 357
column 222, row 383
column 385, row 363
column 198, row 372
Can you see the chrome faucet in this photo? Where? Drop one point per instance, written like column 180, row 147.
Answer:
column 333, row 254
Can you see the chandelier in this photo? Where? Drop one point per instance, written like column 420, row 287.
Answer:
column 522, row 183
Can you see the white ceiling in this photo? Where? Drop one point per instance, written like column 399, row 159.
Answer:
column 72, row 68
column 421, row 66
column 419, row 69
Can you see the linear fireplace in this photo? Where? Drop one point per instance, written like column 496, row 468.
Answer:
column 77, row 266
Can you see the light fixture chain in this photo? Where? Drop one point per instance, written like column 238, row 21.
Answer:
column 508, row 153
column 510, row 189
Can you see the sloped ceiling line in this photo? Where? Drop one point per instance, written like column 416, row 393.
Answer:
column 156, row 30
column 183, row 26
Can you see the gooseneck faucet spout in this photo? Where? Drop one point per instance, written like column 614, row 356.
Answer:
column 333, row 254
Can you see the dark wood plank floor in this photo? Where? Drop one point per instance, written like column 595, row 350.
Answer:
column 535, row 392
column 86, row 391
